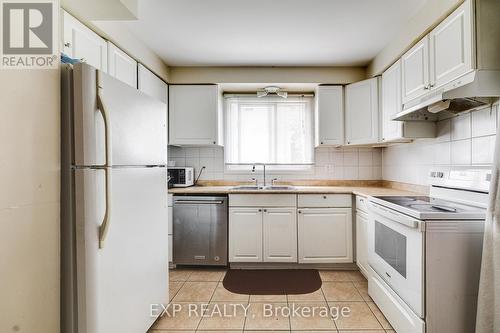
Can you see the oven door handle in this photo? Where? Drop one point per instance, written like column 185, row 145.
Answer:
column 395, row 216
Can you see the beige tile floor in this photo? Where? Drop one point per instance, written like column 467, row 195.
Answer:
column 215, row 309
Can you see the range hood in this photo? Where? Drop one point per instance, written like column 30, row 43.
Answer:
column 469, row 92
column 473, row 89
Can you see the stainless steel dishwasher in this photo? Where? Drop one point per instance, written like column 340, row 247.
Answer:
column 200, row 230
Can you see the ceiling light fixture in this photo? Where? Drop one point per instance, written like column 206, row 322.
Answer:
column 272, row 90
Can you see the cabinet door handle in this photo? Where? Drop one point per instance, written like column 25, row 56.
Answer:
column 300, row 212
column 67, row 44
column 260, row 210
column 265, row 210
column 432, row 85
column 324, row 197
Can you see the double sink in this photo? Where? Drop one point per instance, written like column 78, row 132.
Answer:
column 263, row 188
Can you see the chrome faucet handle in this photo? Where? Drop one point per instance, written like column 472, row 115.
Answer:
column 273, row 181
column 255, row 180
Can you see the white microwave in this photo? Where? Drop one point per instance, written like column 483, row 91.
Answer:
column 180, row 176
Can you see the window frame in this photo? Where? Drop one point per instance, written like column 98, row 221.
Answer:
column 271, row 168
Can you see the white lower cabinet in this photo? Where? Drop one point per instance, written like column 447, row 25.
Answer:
column 245, row 234
column 362, row 241
column 325, row 235
column 280, row 234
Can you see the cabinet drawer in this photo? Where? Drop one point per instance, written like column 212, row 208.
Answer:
column 325, row 200
column 361, row 203
column 262, row 200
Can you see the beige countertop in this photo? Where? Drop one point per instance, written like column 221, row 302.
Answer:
column 357, row 190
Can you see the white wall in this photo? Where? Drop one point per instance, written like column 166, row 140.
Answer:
column 266, row 74
column 29, row 201
column 422, row 22
column 466, row 141
column 331, row 163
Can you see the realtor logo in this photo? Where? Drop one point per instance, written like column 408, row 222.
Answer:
column 29, row 34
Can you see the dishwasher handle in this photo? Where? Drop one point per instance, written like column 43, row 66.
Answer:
column 198, row 202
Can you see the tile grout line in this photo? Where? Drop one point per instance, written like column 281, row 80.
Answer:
column 328, row 305
column 209, row 302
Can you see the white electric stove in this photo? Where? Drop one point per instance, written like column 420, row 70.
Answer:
column 424, row 253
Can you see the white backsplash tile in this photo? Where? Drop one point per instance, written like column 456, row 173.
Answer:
column 484, row 122
column 365, row 172
column 365, row 157
column 461, row 141
column 483, row 149
column 330, row 163
column 179, row 161
column 461, row 127
column 351, row 172
column 461, row 152
column 350, row 158
column 443, row 130
column 464, row 141
column 442, row 153
column 207, row 152
column 337, row 157
column 192, row 152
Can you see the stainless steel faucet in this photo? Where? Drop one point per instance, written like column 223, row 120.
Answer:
column 264, row 169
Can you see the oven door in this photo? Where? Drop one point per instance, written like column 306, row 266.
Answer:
column 396, row 253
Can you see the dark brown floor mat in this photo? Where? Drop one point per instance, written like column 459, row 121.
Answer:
column 272, row 281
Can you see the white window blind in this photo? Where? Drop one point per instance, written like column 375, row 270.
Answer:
column 269, row 130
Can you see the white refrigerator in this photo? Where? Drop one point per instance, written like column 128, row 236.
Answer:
column 114, row 246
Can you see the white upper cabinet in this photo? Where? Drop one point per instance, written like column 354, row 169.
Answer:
column 391, row 104
column 329, row 116
column 194, row 115
column 362, row 112
column 442, row 56
column 280, row 234
column 451, row 46
column 79, row 42
column 151, row 84
column 122, row 66
column 415, row 69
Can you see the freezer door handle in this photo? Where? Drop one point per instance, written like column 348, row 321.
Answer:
column 104, row 227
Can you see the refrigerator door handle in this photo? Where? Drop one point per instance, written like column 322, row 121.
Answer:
column 104, row 227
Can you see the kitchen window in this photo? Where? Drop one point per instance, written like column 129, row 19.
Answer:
column 271, row 130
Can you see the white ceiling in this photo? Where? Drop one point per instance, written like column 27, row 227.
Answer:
column 270, row 32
